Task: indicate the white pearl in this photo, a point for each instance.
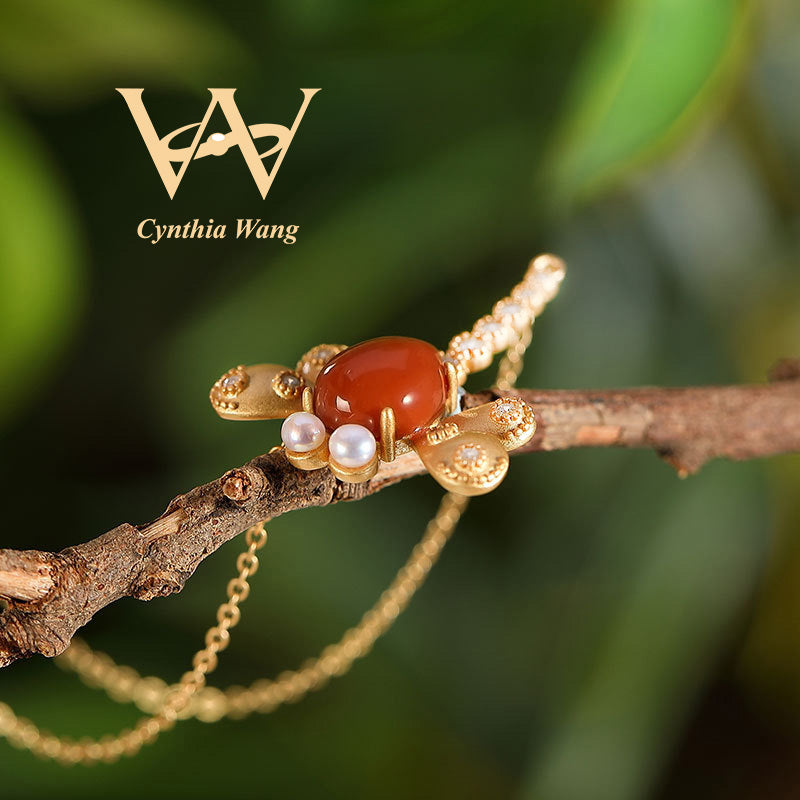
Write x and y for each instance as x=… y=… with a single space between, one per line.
x=352 y=446
x=547 y=272
x=302 y=432
x=475 y=352
x=499 y=335
x=532 y=296
x=512 y=314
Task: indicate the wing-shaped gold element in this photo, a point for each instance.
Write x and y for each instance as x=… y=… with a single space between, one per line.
x=260 y=391
x=466 y=463
x=509 y=418
x=466 y=452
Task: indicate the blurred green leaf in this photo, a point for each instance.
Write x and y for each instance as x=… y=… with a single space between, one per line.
x=651 y=72
x=58 y=55
x=673 y=608
x=40 y=264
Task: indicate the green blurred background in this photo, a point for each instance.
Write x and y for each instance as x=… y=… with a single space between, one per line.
x=598 y=629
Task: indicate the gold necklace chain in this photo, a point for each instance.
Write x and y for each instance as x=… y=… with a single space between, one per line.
x=164 y=704
x=23 y=733
x=210 y=704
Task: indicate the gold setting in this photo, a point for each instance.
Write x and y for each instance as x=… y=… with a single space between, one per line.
x=452 y=388
x=516 y=420
x=507 y=411
x=493 y=331
x=474 y=352
x=288 y=384
x=229 y=385
x=452 y=361
x=388 y=442
x=531 y=297
x=312 y=362
x=313 y=459
x=512 y=314
x=548 y=270
x=355 y=474
x=470 y=457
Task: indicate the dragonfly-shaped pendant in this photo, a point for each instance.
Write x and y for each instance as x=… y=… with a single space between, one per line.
x=349 y=408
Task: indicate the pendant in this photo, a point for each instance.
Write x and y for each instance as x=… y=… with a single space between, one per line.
x=349 y=408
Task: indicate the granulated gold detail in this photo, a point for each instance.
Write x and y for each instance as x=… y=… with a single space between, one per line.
x=230 y=385
x=311 y=364
x=442 y=432
x=470 y=458
x=516 y=418
x=287 y=384
x=487 y=478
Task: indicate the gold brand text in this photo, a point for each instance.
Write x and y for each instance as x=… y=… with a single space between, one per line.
x=151 y=230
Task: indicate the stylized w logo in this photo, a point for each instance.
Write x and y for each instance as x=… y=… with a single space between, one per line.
x=216 y=144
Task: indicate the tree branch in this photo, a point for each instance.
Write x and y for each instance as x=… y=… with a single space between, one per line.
x=51 y=595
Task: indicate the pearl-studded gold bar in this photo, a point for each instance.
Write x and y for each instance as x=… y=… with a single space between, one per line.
x=472 y=351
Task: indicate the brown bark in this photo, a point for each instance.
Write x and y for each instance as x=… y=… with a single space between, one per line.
x=51 y=595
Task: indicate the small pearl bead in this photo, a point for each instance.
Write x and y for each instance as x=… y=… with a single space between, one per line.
x=493 y=331
x=546 y=271
x=352 y=446
x=532 y=296
x=302 y=432
x=512 y=314
x=471 y=350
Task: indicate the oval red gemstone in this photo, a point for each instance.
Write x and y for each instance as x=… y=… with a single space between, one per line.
x=406 y=375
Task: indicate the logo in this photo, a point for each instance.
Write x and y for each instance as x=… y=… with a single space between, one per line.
x=215 y=144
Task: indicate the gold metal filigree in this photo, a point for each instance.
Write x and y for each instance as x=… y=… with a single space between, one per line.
x=515 y=420
x=470 y=457
x=442 y=432
x=231 y=384
x=312 y=362
x=288 y=384
x=470 y=464
x=467 y=452
x=471 y=350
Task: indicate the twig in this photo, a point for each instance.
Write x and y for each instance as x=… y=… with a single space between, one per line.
x=51 y=595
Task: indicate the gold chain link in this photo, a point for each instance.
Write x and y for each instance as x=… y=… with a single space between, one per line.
x=164 y=704
x=211 y=704
x=512 y=362
x=22 y=733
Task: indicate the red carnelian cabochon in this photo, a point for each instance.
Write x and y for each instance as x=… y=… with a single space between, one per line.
x=395 y=372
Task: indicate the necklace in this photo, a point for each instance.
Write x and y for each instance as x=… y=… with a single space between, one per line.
x=347 y=410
